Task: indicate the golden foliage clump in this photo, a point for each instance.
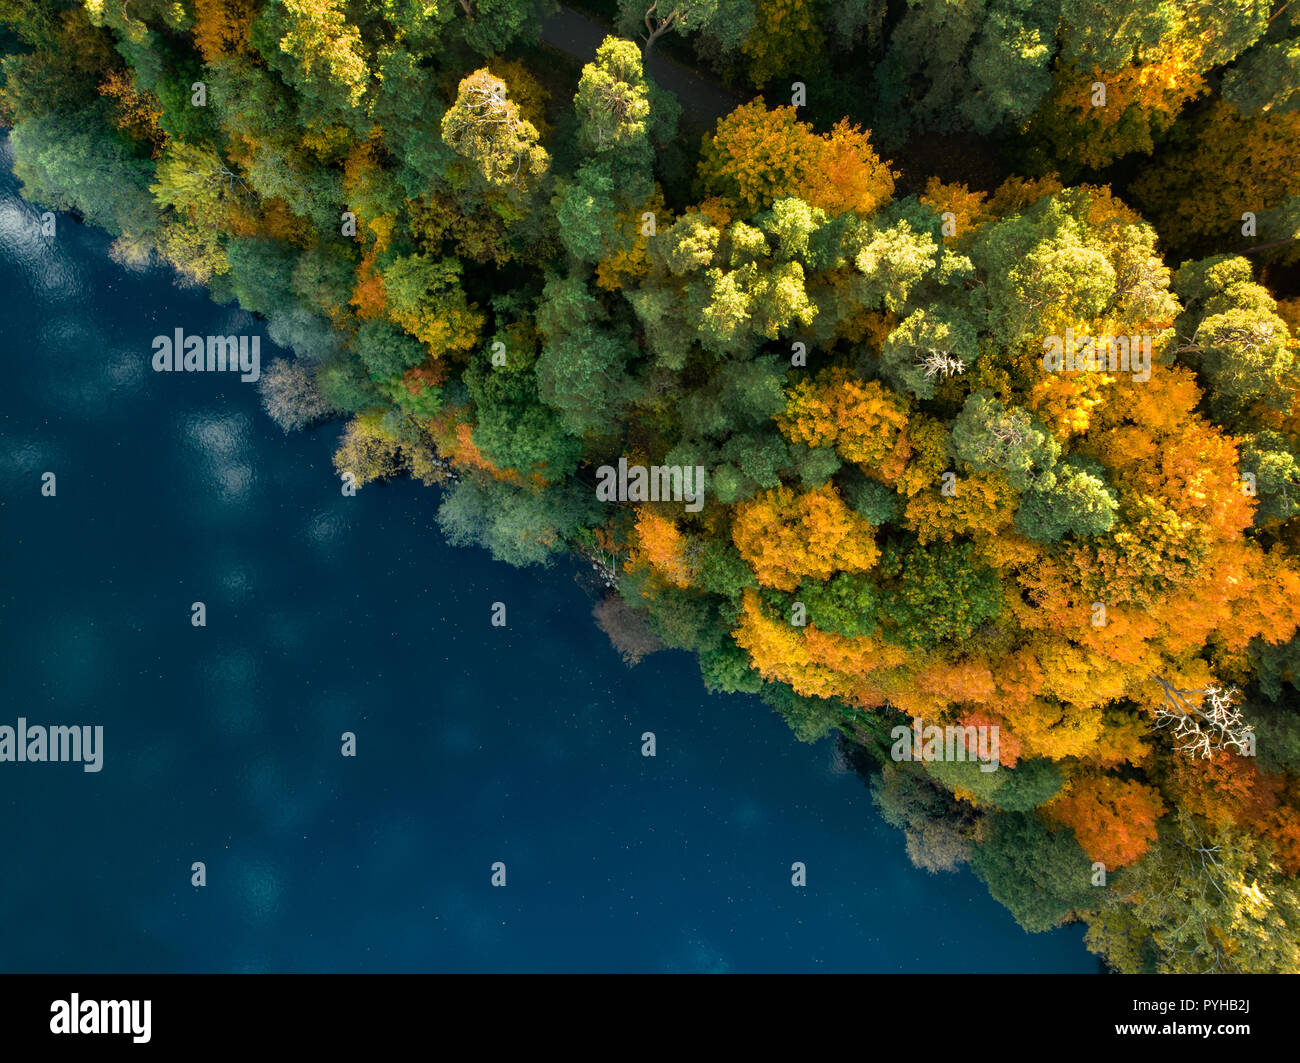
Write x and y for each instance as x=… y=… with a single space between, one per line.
x=757 y=156
x=786 y=536
x=863 y=420
x=969 y=210
x=661 y=542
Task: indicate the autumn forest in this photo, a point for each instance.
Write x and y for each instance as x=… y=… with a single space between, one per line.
x=498 y=268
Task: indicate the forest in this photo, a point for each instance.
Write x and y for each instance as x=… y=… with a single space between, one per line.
x=497 y=269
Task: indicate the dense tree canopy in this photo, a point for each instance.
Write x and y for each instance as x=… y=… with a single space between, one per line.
x=980 y=450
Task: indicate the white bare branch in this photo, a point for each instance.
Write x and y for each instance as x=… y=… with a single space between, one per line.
x=939 y=363
x=1204 y=721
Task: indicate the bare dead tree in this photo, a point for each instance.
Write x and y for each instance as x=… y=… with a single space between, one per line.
x=1204 y=726
x=938 y=363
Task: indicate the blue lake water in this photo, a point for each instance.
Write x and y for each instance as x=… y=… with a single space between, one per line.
x=328 y=614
